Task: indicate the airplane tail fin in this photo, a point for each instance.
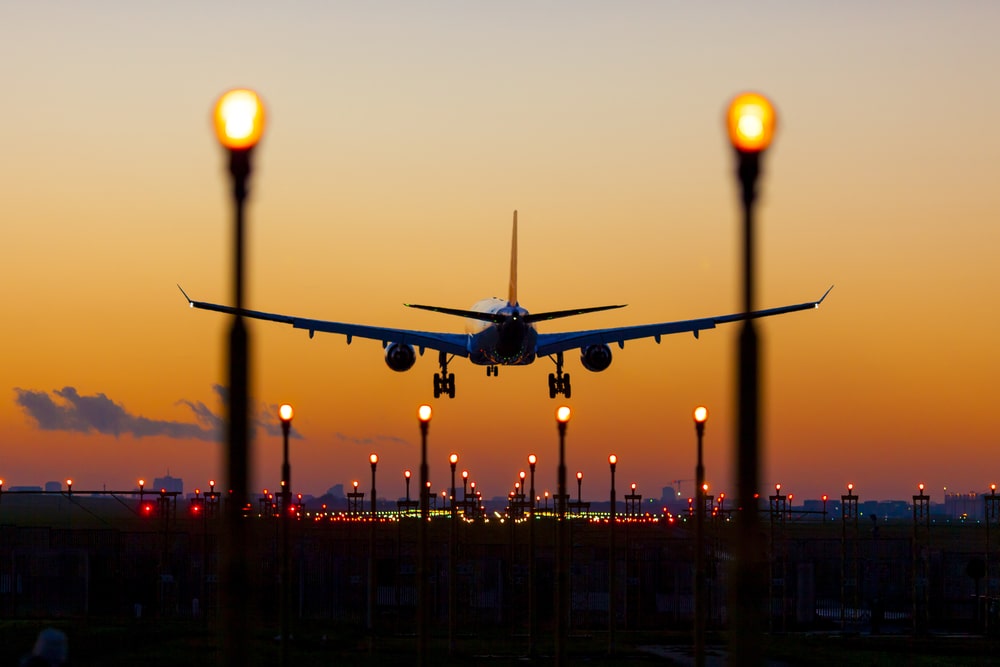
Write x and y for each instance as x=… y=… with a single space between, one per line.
x=512 y=293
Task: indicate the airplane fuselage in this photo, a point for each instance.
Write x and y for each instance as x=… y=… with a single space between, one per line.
x=507 y=343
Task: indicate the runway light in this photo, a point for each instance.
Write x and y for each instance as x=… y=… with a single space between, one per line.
x=563 y=414
x=285 y=412
x=239 y=119
x=750 y=121
x=701 y=414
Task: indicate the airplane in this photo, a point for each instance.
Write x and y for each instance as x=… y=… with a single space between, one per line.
x=499 y=332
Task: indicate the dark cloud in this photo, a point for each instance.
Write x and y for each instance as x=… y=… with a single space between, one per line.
x=66 y=410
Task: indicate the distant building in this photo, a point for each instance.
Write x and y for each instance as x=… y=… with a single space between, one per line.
x=32 y=489
x=964 y=506
x=53 y=487
x=168 y=484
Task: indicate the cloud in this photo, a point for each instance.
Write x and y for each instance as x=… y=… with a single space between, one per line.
x=371 y=440
x=67 y=410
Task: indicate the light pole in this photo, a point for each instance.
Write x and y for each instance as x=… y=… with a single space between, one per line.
x=700 y=417
x=579 y=489
x=239 y=123
x=406 y=476
x=285 y=413
x=750 y=121
x=452 y=562
x=563 y=414
x=424 y=415
x=612 y=569
x=532 y=582
x=373 y=459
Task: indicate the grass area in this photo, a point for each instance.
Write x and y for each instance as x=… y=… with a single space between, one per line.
x=177 y=643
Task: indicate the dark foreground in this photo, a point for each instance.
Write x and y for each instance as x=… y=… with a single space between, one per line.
x=169 y=644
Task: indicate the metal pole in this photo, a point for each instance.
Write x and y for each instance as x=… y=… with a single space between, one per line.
x=452 y=570
x=562 y=578
x=612 y=568
x=371 y=558
x=749 y=582
x=286 y=520
x=532 y=582
x=236 y=580
x=422 y=552
x=699 y=554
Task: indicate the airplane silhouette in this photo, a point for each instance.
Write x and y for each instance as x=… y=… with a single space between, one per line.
x=499 y=332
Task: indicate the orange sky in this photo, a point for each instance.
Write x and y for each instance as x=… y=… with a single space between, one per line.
x=400 y=141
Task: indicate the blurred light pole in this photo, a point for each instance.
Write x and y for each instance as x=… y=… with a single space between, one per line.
x=700 y=417
x=579 y=489
x=239 y=123
x=142 y=484
x=452 y=562
x=285 y=413
x=612 y=565
x=532 y=581
x=69 y=488
x=373 y=459
x=406 y=476
x=424 y=415
x=563 y=414
x=750 y=121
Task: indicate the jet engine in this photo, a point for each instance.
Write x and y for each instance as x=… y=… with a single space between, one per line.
x=595 y=358
x=400 y=357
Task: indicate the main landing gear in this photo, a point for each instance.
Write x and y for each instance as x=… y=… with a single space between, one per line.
x=559 y=381
x=444 y=382
x=492 y=370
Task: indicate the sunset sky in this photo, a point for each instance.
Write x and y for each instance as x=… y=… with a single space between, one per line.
x=402 y=136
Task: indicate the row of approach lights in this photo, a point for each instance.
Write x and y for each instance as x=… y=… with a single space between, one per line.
x=239 y=120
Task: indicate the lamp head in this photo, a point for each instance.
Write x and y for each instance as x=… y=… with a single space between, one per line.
x=850 y=487
x=373 y=459
x=453 y=459
x=142 y=483
x=285 y=412
x=532 y=459
x=239 y=119
x=424 y=413
x=613 y=460
x=700 y=414
x=465 y=474
x=563 y=414
x=750 y=121
x=579 y=475
x=407 y=474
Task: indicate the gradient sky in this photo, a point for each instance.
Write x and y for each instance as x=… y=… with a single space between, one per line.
x=401 y=137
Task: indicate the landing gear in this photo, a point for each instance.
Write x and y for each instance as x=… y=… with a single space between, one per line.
x=444 y=382
x=492 y=370
x=559 y=381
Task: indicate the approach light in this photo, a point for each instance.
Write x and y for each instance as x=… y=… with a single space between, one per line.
x=239 y=119
x=579 y=475
x=532 y=459
x=750 y=120
x=850 y=487
x=373 y=459
x=701 y=414
x=424 y=413
x=407 y=474
x=563 y=414
x=453 y=459
x=921 y=487
x=285 y=412
x=612 y=459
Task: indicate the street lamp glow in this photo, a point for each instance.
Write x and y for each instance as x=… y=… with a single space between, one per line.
x=921 y=487
x=239 y=119
x=406 y=474
x=850 y=487
x=532 y=459
x=142 y=483
x=750 y=120
x=424 y=413
x=453 y=459
x=701 y=414
x=563 y=414
x=612 y=459
x=579 y=475
x=285 y=412
x=373 y=459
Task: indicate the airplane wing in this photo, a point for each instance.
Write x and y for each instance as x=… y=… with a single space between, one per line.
x=560 y=342
x=445 y=342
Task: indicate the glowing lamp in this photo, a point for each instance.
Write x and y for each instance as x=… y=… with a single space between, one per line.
x=921 y=487
x=465 y=474
x=424 y=413
x=701 y=414
x=285 y=412
x=579 y=475
x=850 y=487
x=532 y=459
x=355 y=482
x=750 y=121
x=563 y=414
x=612 y=459
x=239 y=119
x=373 y=459
x=453 y=459
x=407 y=474
x=777 y=487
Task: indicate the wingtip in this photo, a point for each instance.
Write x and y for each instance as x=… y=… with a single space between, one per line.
x=824 y=295
x=185 y=294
